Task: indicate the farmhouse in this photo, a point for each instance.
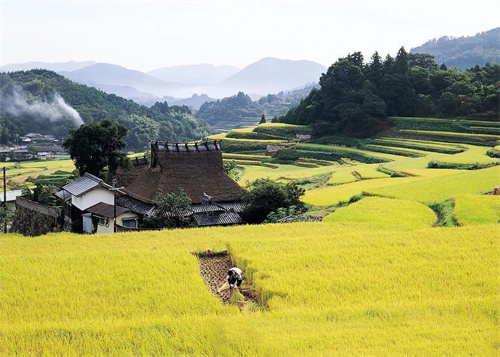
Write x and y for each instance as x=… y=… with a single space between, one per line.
x=197 y=170
x=90 y=202
x=194 y=168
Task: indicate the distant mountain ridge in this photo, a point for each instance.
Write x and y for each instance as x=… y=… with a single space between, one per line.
x=114 y=75
x=268 y=75
x=56 y=67
x=194 y=74
x=271 y=75
x=464 y=52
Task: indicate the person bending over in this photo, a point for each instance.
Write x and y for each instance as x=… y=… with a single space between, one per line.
x=234 y=277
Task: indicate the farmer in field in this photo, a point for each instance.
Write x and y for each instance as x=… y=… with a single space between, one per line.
x=234 y=279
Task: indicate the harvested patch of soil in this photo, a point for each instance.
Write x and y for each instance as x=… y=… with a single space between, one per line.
x=213 y=269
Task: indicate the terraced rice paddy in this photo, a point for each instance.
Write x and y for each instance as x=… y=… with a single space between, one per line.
x=374 y=278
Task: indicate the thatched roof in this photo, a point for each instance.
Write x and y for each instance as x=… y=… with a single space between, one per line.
x=196 y=169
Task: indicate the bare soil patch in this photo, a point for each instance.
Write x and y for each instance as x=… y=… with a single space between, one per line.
x=213 y=270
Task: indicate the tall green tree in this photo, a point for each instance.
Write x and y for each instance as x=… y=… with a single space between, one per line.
x=375 y=70
x=95 y=146
x=396 y=87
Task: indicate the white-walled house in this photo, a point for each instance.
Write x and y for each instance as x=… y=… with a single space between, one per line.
x=92 y=201
x=102 y=216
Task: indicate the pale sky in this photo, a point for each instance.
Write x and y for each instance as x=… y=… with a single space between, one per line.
x=145 y=35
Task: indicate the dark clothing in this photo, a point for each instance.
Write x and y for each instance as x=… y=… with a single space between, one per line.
x=234 y=280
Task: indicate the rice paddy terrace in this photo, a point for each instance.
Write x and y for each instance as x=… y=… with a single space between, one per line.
x=404 y=263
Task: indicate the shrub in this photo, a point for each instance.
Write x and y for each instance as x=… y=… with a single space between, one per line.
x=265 y=196
x=173 y=210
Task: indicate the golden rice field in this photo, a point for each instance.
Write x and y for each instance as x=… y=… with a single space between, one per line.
x=386 y=212
x=477 y=209
x=429 y=190
x=332 y=289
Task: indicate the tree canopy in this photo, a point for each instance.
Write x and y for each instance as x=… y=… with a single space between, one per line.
x=355 y=98
x=95 y=146
x=265 y=196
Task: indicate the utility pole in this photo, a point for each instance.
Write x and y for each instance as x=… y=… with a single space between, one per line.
x=4 y=201
x=114 y=189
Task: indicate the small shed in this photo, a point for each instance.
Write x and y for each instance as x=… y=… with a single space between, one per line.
x=11 y=198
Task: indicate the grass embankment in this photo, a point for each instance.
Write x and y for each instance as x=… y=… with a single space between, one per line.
x=332 y=289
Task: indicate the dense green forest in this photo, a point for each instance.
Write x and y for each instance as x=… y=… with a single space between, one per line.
x=231 y=112
x=464 y=52
x=45 y=102
x=239 y=110
x=356 y=98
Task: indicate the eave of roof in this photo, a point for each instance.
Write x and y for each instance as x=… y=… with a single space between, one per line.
x=106 y=210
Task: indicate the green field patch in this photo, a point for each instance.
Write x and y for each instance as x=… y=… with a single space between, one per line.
x=438 y=189
x=385 y=212
x=304 y=163
x=477 y=209
x=457 y=166
x=330 y=195
x=370 y=171
x=396 y=150
x=248 y=162
x=281 y=172
x=445 y=125
x=457 y=137
x=329 y=152
x=421 y=145
x=227 y=156
x=473 y=154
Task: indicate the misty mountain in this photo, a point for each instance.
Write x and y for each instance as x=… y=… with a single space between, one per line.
x=270 y=75
x=464 y=52
x=56 y=67
x=46 y=102
x=201 y=74
x=104 y=74
x=196 y=101
x=128 y=92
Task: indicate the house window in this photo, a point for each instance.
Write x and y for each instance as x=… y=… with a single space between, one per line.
x=130 y=222
x=103 y=221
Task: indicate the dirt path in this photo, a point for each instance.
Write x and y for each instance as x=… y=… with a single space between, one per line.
x=213 y=269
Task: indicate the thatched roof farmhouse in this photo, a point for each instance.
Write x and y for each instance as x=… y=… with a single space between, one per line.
x=196 y=169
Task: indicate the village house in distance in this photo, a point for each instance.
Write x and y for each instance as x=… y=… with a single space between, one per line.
x=130 y=195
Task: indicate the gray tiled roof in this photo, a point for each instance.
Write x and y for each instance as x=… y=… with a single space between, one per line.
x=216 y=219
x=219 y=206
x=82 y=185
x=63 y=195
x=135 y=205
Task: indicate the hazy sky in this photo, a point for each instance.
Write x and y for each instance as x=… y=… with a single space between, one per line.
x=145 y=35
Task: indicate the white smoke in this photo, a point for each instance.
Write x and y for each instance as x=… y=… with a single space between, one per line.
x=54 y=110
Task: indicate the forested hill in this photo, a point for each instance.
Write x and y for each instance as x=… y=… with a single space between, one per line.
x=356 y=98
x=239 y=110
x=464 y=52
x=45 y=102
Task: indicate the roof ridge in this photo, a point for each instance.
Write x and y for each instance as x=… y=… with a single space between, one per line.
x=92 y=177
